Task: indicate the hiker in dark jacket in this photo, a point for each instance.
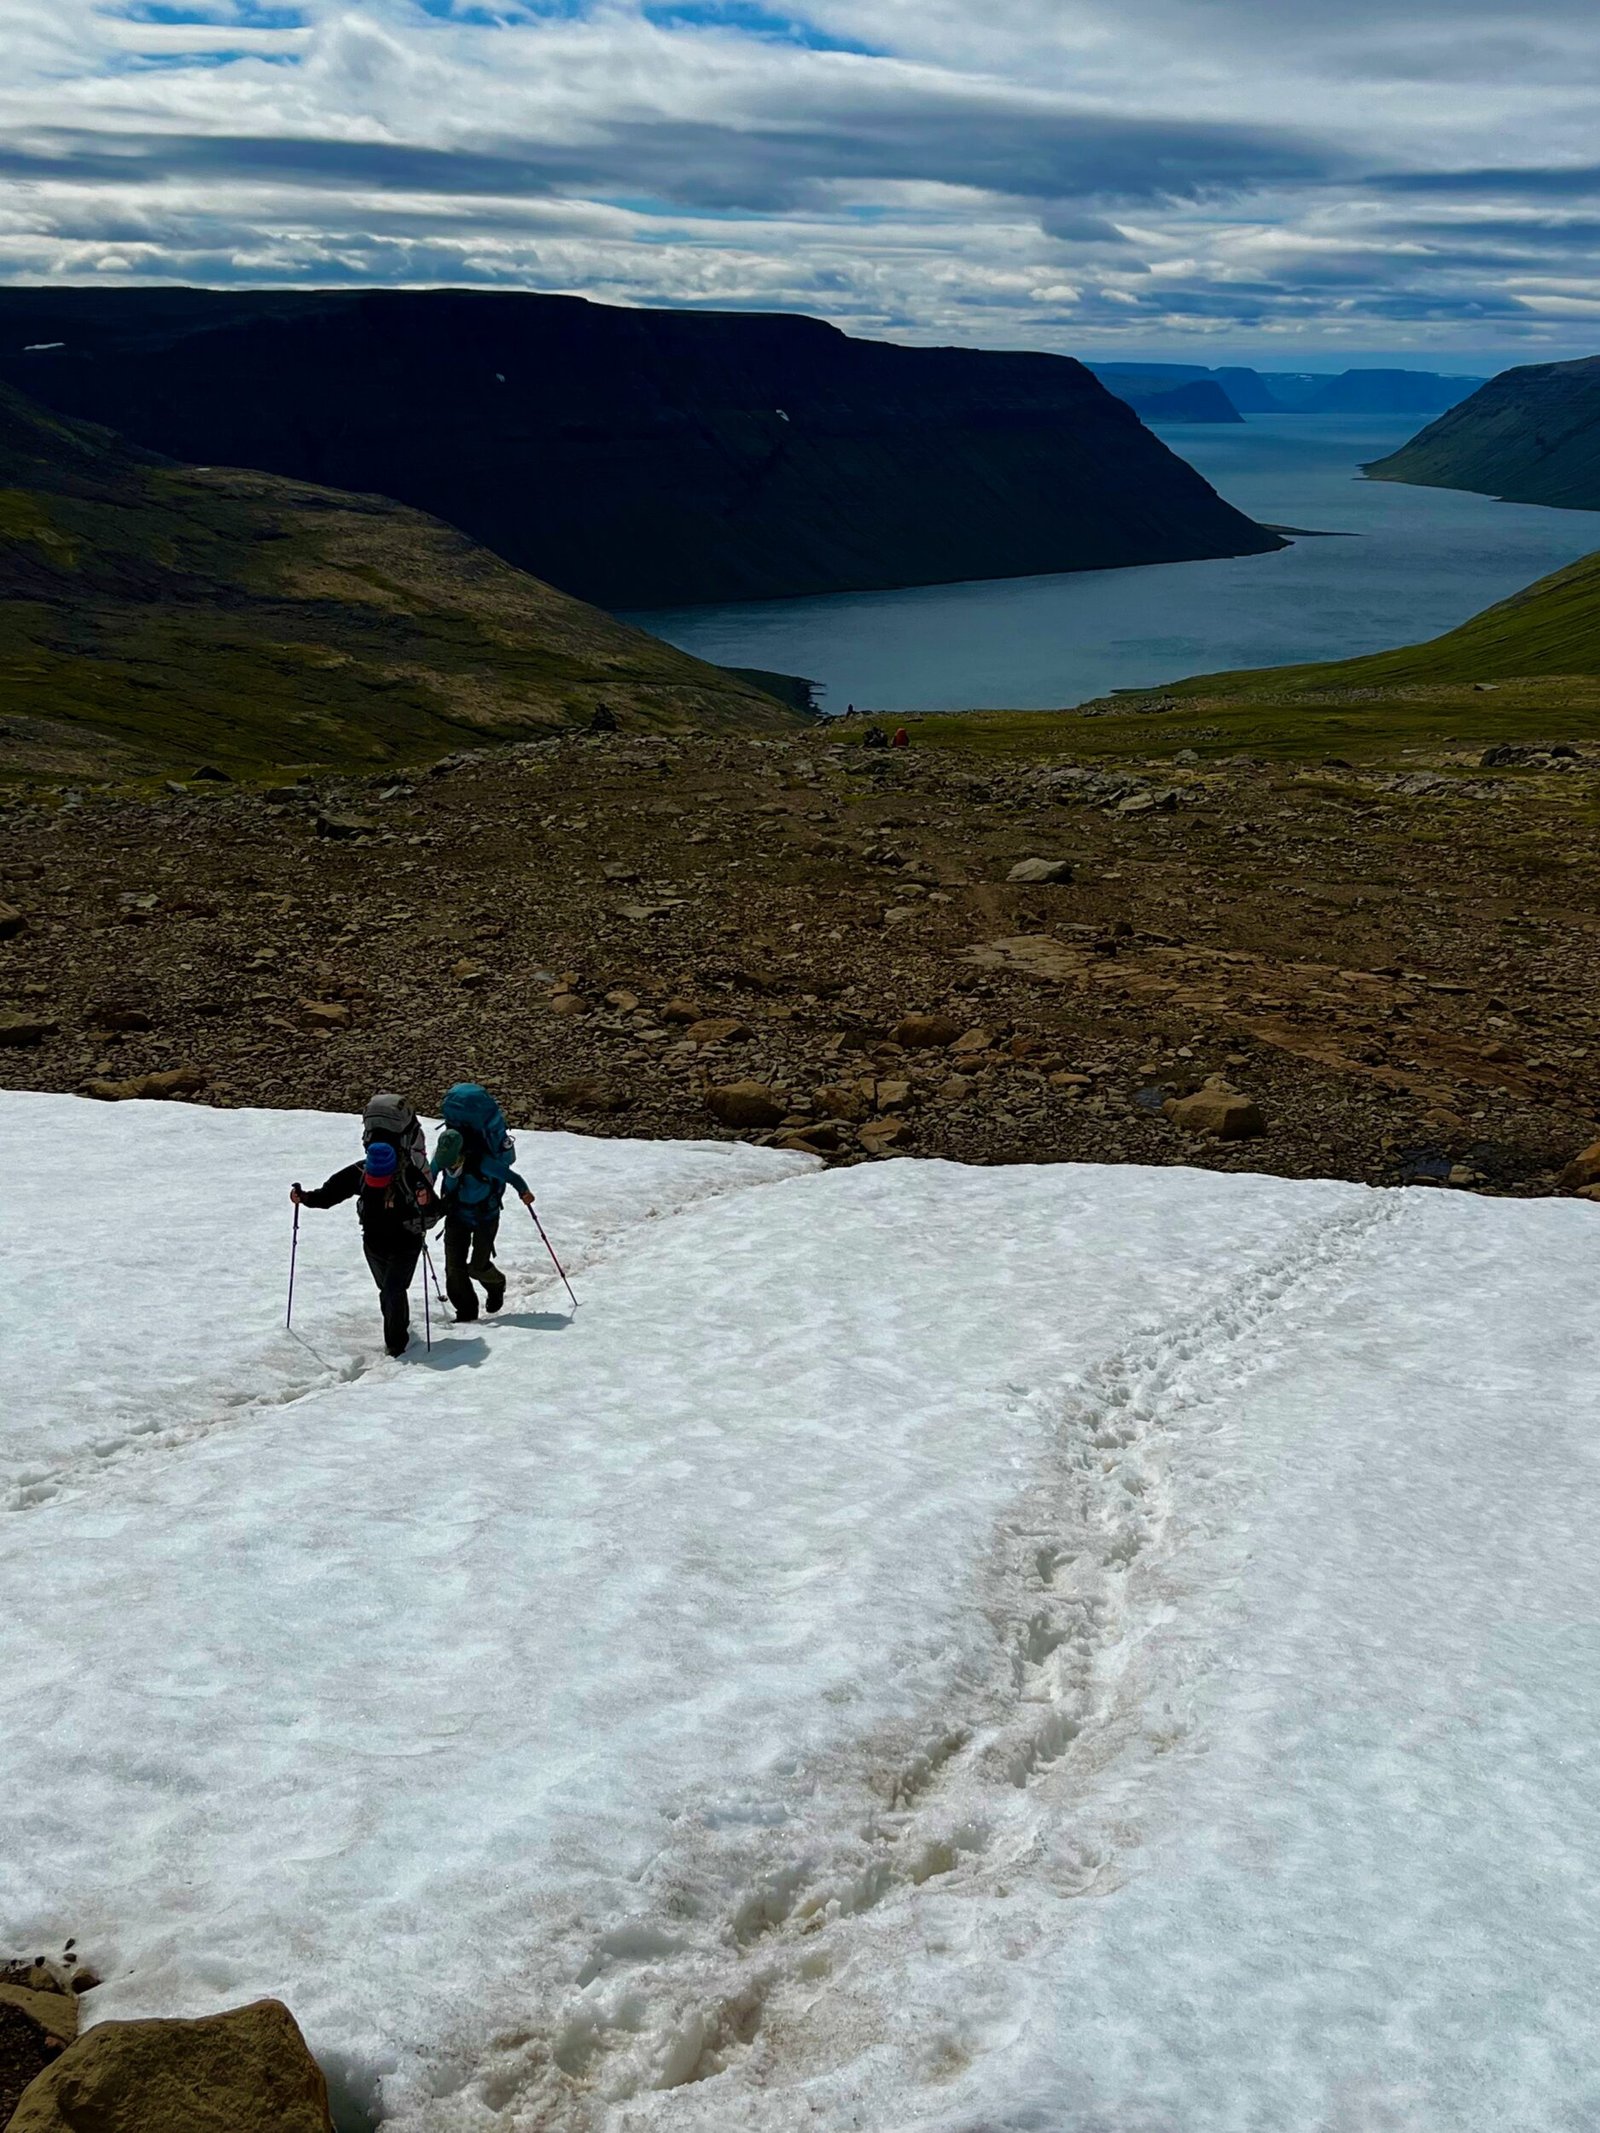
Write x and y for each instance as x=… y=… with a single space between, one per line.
x=472 y=1160
x=397 y=1206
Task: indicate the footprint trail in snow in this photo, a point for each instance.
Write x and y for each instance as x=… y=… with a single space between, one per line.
x=744 y=1703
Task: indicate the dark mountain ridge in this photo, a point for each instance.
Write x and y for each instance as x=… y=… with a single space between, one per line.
x=1197 y=399
x=1531 y=436
x=1274 y=392
x=638 y=458
x=1389 y=392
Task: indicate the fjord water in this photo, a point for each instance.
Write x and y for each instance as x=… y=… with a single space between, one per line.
x=1406 y=564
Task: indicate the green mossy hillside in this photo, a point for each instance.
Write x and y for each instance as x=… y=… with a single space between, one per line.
x=1531 y=435
x=1551 y=628
x=155 y=617
x=1524 y=671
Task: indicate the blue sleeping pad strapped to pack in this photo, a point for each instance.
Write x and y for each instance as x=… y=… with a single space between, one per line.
x=490 y=1152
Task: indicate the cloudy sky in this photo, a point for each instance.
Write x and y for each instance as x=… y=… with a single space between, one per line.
x=1286 y=181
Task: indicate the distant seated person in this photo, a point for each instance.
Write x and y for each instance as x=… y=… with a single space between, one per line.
x=902 y=739
x=874 y=737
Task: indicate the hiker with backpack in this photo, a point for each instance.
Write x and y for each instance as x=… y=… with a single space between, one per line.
x=472 y=1161
x=396 y=1204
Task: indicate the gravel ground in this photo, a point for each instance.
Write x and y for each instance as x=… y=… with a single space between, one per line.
x=1396 y=966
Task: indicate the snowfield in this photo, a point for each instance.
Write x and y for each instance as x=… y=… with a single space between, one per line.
x=1057 y=1650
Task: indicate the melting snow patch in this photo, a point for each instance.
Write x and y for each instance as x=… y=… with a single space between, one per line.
x=918 y=1647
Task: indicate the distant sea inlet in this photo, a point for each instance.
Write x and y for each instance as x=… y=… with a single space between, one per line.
x=1411 y=563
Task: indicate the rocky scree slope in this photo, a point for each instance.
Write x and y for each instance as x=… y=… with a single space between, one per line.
x=622 y=933
x=1531 y=436
x=638 y=458
x=154 y=615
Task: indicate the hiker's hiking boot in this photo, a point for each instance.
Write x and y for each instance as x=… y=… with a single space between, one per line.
x=494 y=1299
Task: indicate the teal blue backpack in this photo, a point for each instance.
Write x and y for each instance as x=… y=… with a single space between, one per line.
x=490 y=1151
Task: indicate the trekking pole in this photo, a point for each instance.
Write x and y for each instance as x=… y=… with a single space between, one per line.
x=550 y=1248
x=427 y=1319
x=432 y=1276
x=294 y=1247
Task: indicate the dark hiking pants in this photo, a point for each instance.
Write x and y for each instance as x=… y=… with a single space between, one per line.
x=469 y=1257
x=393 y=1266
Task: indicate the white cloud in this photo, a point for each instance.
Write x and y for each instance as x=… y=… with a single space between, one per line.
x=1066 y=173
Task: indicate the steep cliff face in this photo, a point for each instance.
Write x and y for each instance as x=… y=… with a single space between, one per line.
x=1530 y=435
x=638 y=458
x=1390 y=392
x=1249 y=391
x=1199 y=399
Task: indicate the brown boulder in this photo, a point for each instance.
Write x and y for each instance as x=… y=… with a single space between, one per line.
x=583 y=1095
x=246 y=2071
x=842 y=1100
x=927 y=1033
x=324 y=1014
x=1039 y=871
x=716 y=1029
x=746 y=1103
x=176 y=1081
x=881 y=1133
x=1584 y=1169
x=34 y=2029
x=54 y=2014
x=20 y=1031
x=110 y=1014
x=1218 y=1110
x=819 y=1139
x=38 y=1974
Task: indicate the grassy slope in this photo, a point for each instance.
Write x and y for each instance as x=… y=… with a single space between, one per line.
x=1531 y=435
x=1539 y=651
x=154 y=617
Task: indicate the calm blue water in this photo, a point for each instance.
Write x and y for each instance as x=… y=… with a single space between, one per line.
x=1422 y=560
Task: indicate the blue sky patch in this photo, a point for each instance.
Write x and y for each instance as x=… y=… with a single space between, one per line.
x=753 y=21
